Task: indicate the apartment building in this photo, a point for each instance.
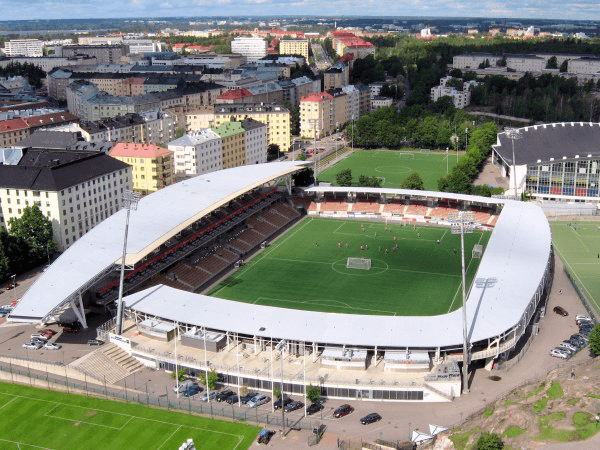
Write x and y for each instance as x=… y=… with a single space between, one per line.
x=23 y=47
x=336 y=76
x=585 y=65
x=152 y=166
x=460 y=97
x=14 y=130
x=381 y=102
x=104 y=54
x=255 y=135
x=74 y=190
x=232 y=143
x=294 y=47
x=252 y=48
x=200 y=118
x=197 y=152
x=317 y=115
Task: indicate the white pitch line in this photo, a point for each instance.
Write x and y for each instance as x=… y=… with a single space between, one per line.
x=172 y=434
x=10 y=401
x=29 y=445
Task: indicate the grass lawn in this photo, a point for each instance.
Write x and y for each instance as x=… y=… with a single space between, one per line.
x=306 y=269
x=33 y=418
x=393 y=166
x=580 y=249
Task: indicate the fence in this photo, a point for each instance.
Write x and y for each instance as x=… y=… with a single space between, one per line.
x=56 y=382
x=580 y=289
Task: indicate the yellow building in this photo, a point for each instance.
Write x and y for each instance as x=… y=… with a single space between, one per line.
x=200 y=119
x=294 y=47
x=275 y=117
x=317 y=115
x=152 y=166
x=233 y=138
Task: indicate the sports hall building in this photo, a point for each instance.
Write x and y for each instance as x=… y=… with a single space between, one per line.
x=187 y=236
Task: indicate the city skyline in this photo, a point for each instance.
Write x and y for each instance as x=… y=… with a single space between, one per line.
x=524 y=9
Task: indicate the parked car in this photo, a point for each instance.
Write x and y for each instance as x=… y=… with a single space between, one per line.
x=52 y=346
x=249 y=396
x=264 y=436
x=293 y=406
x=581 y=337
x=342 y=411
x=47 y=332
x=568 y=346
x=9 y=307
x=370 y=418
x=32 y=345
x=286 y=402
x=224 y=395
x=314 y=408
x=182 y=386
x=208 y=395
x=258 y=400
x=233 y=400
x=5 y=311
x=39 y=336
x=559 y=353
x=560 y=311
x=579 y=343
x=192 y=390
x=92 y=342
x=583 y=317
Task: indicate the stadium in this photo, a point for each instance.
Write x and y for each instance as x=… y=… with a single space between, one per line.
x=240 y=272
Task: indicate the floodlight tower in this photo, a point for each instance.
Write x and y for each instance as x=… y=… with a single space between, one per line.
x=513 y=134
x=462 y=223
x=130 y=201
x=281 y=349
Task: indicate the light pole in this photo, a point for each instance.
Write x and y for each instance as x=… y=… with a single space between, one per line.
x=466 y=139
x=513 y=134
x=352 y=136
x=446 y=160
x=14 y=280
x=281 y=349
x=130 y=201
x=461 y=223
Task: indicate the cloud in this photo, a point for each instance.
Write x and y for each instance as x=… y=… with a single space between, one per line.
x=166 y=5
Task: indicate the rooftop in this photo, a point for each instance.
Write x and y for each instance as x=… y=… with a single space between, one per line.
x=128 y=149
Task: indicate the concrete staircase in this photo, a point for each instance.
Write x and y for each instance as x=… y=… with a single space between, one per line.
x=109 y=363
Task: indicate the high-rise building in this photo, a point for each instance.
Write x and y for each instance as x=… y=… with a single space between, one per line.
x=294 y=47
x=251 y=47
x=317 y=115
x=197 y=152
x=23 y=47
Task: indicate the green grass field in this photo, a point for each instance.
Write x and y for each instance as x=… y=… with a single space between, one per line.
x=33 y=418
x=393 y=166
x=580 y=249
x=305 y=269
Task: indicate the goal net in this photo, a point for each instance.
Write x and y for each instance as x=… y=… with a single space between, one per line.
x=404 y=155
x=358 y=263
x=477 y=251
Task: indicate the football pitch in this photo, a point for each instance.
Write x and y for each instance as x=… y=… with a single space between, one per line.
x=579 y=248
x=33 y=418
x=393 y=167
x=306 y=269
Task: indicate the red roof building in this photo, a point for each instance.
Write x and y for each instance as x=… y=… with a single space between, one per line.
x=234 y=96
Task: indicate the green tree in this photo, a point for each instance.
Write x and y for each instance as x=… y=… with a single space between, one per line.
x=301 y=157
x=179 y=131
x=595 y=340
x=5 y=271
x=180 y=375
x=213 y=377
x=272 y=152
x=552 y=63
x=344 y=178
x=456 y=73
x=277 y=392
x=294 y=117
x=489 y=441
x=303 y=178
x=455 y=83
x=413 y=181
x=313 y=393
x=366 y=181
x=36 y=231
x=564 y=67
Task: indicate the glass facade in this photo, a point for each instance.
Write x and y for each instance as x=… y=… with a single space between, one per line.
x=575 y=177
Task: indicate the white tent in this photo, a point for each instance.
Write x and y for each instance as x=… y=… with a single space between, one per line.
x=420 y=438
x=435 y=429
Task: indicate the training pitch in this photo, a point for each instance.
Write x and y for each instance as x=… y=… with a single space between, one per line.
x=33 y=418
x=306 y=269
x=393 y=167
x=579 y=248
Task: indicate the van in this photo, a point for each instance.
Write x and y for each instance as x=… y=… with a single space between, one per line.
x=183 y=386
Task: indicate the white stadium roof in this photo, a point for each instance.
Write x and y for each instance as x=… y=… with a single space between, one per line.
x=159 y=216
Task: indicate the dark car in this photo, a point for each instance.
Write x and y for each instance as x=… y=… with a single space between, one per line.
x=370 y=418
x=232 y=399
x=224 y=395
x=95 y=342
x=249 y=396
x=277 y=403
x=342 y=411
x=314 y=408
x=560 y=310
x=264 y=436
x=293 y=406
x=192 y=390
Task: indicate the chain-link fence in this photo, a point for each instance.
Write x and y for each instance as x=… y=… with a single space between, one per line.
x=580 y=289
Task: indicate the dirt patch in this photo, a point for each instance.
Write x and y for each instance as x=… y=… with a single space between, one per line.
x=90 y=413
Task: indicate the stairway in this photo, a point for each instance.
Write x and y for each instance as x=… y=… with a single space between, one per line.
x=109 y=363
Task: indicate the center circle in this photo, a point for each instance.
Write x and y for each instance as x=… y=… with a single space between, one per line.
x=377 y=266
x=393 y=169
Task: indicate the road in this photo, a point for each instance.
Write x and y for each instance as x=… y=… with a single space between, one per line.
x=321 y=58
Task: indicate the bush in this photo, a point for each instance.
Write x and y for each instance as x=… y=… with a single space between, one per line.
x=489 y=441
x=595 y=340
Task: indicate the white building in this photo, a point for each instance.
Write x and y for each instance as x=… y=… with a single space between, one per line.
x=460 y=98
x=197 y=152
x=143 y=46
x=256 y=141
x=381 y=102
x=353 y=101
x=23 y=47
x=251 y=47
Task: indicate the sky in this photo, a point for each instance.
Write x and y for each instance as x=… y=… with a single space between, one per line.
x=71 y=9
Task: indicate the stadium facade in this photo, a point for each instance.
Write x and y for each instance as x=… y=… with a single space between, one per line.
x=185 y=236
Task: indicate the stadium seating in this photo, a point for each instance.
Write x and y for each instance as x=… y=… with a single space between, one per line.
x=416 y=209
x=394 y=207
x=366 y=206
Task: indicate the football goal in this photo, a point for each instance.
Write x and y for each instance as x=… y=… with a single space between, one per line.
x=406 y=155
x=358 y=263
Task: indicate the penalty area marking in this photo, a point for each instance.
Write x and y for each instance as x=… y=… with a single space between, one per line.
x=24 y=443
x=390 y=170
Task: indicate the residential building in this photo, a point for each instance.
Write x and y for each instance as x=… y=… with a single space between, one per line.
x=336 y=76
x=353 y=100
x=251 y=47
x=255 y=141
x=200 y=118
x=197 y=152
x=74 y=190
x=232 y=143
x=15 y=130
x=152 y=166
x=104 y=54
x=49 y=63
x=345 y=42
x=23 y=47
x=294 y=47
x=303 y=86
x=461 y=97
x=342 y=108
x=381 y=102
x=136 y=46
x=585 y=65
x=317 y=115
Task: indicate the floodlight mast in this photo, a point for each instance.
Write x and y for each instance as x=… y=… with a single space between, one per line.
x=462 y=222
x=281 y=349
x=513 y=134
x=130 y=201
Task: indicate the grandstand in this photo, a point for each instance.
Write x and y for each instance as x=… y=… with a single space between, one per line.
x=187 y=236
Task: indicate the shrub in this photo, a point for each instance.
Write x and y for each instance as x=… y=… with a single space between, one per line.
x=489 y=441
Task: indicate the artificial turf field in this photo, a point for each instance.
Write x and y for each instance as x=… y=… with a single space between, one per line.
x=393 y=167
x=33 y=418
x=579 y=248
x=305 y=269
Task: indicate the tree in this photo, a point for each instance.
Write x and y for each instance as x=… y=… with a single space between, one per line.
x=595 y=340
x=455 y=83
x=213 y=377
x=552 y=63
x=303 y=178
x=294 y=117
x=313 y=393
x=366 y=181
x=456 y=73
x=179 y=132
x=36 y=231
x=344 y=178
x=272 y=152
x=489 y=441
x=277 y=392
x=564 y=67
x=179 y=375
x=413 y=181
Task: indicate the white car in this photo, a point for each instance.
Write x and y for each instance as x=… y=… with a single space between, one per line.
x=182 y=386
x=39 y=336
x=52 y=346
x=567 y=345
x=559 y=353
x=204 y=397
x=11 y=307
x=32 y=345
x=577 y=317
x=257 y=401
